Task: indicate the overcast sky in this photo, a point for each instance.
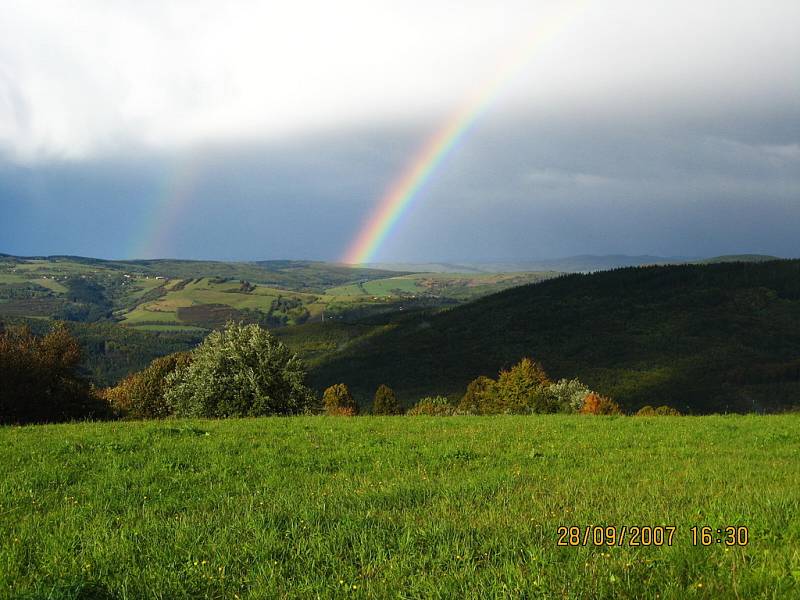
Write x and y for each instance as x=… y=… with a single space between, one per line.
x=638 y=127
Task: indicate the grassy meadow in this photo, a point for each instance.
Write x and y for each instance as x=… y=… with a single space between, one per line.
x=460 y=286
x=404 y=507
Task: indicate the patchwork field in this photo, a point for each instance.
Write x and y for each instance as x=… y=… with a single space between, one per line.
x=179 y=295
x=408 y=507
x=172 y=295
x=448 y=285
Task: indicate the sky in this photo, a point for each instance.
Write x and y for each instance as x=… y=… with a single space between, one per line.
x=273 y=130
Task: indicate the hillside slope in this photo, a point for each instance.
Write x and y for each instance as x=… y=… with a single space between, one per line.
x=720 y=337
x=113 y=306
x=181 y=295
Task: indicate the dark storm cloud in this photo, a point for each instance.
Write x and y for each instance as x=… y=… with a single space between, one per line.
x=531 y=186
x=299 y=199
x=656 y=127
x=538 y=187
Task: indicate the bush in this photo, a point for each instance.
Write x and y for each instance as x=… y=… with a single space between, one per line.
x=595 y=404
x=434 y=406
x=142 y=395
x=242 y=371
x=385 y=402
x=338 y=401
x=569 y=394
x=40 y=379
x=479 y=398
x=523 y=389
x=661 y=411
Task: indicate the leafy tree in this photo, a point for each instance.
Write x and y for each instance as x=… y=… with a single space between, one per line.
x=338 y=401
x=523 y=389
x=141 y=395
x=595 y=404
x=479 y=398
x=40 y=378
x=569 y=394
x=238 y=372
x=385 y=402
x=434 y=406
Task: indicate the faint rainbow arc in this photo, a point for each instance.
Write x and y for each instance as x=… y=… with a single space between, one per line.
x=176 y=191
x=402 y=193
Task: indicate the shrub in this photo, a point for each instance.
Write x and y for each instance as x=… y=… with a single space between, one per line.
x=595 y=404
x=385 y=402
x=569 y=394
x=338 y=401
x=142 y=395
x=523 y=389
x=479 y=398
x=435 y=406
x=40 y=379
x=241 y=371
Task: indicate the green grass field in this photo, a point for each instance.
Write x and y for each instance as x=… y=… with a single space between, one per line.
x=460 y=286
x=399 y=507
x=164 y=310
x=156 y=314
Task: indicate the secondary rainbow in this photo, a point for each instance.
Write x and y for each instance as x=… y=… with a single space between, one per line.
x=153 y=240
x=402 y=193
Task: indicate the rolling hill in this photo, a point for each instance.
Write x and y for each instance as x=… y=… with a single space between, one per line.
x=703 y=338
x=128 y=312
x=186 y=296
x=717 y=336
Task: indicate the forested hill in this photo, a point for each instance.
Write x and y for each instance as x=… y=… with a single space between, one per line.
x=702 y=338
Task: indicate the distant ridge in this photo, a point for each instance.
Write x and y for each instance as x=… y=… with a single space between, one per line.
x=305 y=275
x=582 y=263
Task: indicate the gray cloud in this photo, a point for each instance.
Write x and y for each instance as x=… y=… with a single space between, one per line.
x=521 y=188
x=666 y=128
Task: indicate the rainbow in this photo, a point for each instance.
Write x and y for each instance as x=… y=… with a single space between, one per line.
x=402 y=193
x=152 y=241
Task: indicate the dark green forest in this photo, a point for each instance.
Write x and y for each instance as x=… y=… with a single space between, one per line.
x=701 y=338
x=110 y=351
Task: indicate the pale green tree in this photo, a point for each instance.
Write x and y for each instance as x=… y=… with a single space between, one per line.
x=241 y=371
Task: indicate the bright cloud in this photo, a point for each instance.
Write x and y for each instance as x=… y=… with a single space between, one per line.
x=81 y=78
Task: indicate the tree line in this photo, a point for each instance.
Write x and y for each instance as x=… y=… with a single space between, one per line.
x=244 y=371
